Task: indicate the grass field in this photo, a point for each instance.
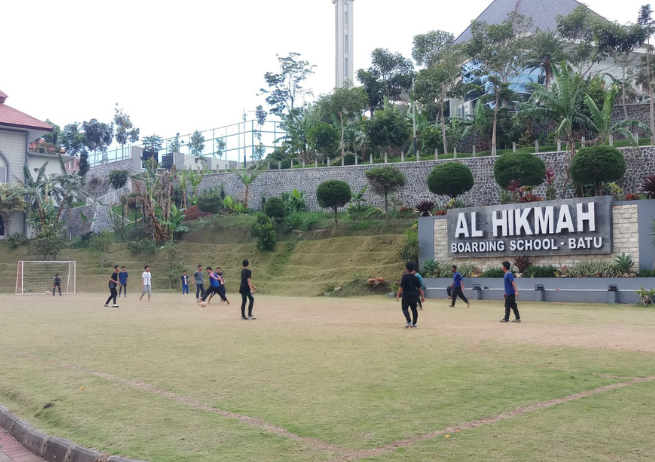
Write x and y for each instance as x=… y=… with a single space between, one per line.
x=322 y=379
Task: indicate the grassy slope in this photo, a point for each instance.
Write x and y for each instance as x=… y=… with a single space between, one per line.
x=302 y=264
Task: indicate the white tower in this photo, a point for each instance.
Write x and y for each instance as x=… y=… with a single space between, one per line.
x=344 y=66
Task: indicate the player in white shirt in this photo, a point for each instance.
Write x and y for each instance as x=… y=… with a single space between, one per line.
x=146 y=276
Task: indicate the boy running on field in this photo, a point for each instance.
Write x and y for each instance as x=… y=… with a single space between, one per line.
x=511 y=292
x=113 y=282
x=185 y=283
x=56 y=284
x=410 y=290
x=146 y=276
x=122 y=278
x=458 y=288
x=214 y=284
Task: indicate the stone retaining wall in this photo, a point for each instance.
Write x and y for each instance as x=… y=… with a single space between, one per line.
x=97 y=179
x=640 y=163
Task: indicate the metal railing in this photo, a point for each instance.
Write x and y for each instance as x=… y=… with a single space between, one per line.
x=244 y=140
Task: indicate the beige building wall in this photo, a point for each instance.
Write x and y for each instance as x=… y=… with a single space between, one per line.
x=625 y=240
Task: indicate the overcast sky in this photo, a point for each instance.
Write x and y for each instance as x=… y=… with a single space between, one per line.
x=181 y=66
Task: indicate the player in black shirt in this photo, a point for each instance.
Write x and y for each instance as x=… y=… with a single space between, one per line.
x=113 y=283
x=246 y=290
x=410 y=289
x=56 y=284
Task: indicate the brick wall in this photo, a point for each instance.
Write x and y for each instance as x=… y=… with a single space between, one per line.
x=625 y=240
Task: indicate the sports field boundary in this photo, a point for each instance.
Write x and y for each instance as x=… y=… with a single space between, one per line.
x=24 y=430
x=51 y=448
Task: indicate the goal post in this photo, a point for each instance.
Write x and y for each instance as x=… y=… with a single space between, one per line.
x=37 y=277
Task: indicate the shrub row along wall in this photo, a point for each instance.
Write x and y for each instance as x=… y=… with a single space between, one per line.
x=640 y=163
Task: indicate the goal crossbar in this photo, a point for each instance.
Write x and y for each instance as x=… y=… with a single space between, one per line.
x=37 y=277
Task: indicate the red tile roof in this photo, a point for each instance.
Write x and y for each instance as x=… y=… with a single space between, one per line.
x=14 y=118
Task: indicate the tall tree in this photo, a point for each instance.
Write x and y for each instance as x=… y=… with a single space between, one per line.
x=97 y=136
x=579 y=30
x=619 y=41
x=125 y=131
x=388 y=129
x=344 y=103
x=544 y=49
x=389 y=76
x=196 y=145
x=646 y=20
x=286 y=87
x=72 y=140
x=429 y=48
x=499 y=51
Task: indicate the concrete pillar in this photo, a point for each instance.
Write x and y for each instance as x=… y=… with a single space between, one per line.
x=268 y=165
x=402 y=156
x=474 y=150
x=279 y=165
x=356 y=159
x=343 y=161
x=418 y=156
x=436 y=154
x=536 y=146
x=291 y=167
x=385 y=157
x=328 y=161
x=371 y=158
x=611 y=140
x=513 y=146
x=559 y=146
x=582 y=141
x=315 y=162
x=455 y=152
x=303 y=163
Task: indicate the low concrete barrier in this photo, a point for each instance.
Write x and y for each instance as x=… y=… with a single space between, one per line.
x=52 y=449
x=574 y=290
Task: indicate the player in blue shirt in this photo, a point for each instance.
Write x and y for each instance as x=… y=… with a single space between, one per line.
x=511 y=292
x=185 y=283
x=122 y=278
x=458 y=288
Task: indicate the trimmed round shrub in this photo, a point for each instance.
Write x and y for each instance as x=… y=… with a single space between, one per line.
x=275 y=208
x=332 y=194
x=527 y=169
x=597 y=165
x=450 y=179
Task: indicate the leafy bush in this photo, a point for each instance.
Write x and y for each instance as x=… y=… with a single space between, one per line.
x=142 y=247
x=410 y=250
x=646 y=273
x=522 y=263
x=210 y=201
x=594 y=270
x=264 y=232
x=541 y=272
x=493 y=273
x=349 y=159
x=118 y=178
x=526 y=169
x=49 y=242
x=294 y=201
x=597 y=165
x=275 y=209
x=332 y=194
x=466 y=270
x=102 y=243
x=16 y=240
x=425 y=208
x=429 y=268
x=624 y=263
x=385 y=180
x=450 y=179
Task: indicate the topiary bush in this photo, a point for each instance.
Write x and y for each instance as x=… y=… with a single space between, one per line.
x=210 y=201
x=450 y=179
x=275 y=208
x=526 y=169
x=332 y=194
x=597 y=164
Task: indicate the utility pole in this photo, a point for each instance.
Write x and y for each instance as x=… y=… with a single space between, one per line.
x=414 y=113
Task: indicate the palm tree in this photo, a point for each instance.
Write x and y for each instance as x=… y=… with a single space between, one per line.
x=545 y=49
x=247 y=179
x=601 y=120
x=561 y=104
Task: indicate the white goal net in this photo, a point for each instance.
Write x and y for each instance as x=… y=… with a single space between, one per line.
x=38 y=277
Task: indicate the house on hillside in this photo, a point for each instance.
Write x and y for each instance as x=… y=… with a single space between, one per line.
x=17 y=131
x=543 y=15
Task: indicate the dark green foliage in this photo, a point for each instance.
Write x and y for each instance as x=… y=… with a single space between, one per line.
x=275 y=209
x=388 y=129
x=624 y=263
x=16 y=240
x=84 y=164
x=118 y=178
x=597 y=165
x=142 y=247
x=349 y=159
x=384 y=180
x=526 y=169
x=264 y=232
x=210 y=201
x=49 y=242
x=493 y=273
x=332 y=194
x=450 y=179
x=429 y=268
x=540 y=272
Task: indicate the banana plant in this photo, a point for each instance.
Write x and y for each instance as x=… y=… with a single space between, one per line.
x=174 y=222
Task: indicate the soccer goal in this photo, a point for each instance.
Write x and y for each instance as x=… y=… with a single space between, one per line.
x=37 y=277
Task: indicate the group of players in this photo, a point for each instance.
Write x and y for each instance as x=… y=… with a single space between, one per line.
x=119 y=279
x=411 y=292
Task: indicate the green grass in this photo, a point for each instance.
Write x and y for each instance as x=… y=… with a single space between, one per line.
x=341 y=371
